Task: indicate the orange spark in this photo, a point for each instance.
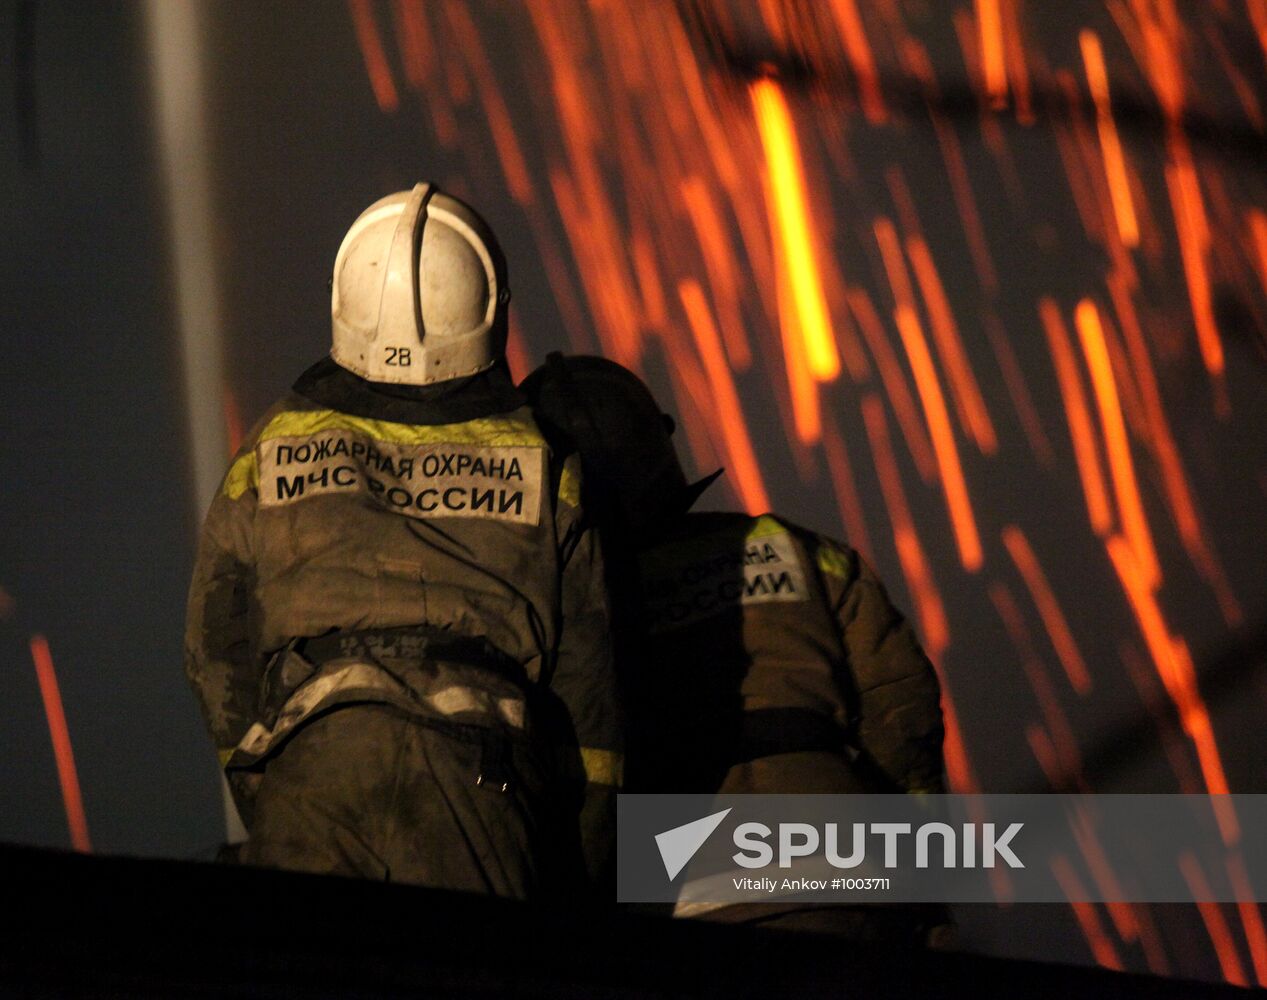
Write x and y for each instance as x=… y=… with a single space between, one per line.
x=854 y=37
x=1251 y=915
x=1178 y=676
x=787 y=186
x=1102 y=874
x=518 y=356
x=62 y=752
x=371 y=43
x=1194 y=236
x=1017 y=71
x=1174 y=481
x=719 y=259
x=1079 y=415
x=1061 y=746
x=943 y=438
x=729 y=411
x=1088 y=917
x=1048 y=608
x=232 y=419
x=806 y=411
x=846 y=491
x=963 y=385
x=1258 y=233
x=1117 y=445
x=993 y=65
x=928 y=604
x=1018 y=391
x=1215 y=923
x=415 y=46
x=965 y=201
x=1110 y=143
x=895 y=386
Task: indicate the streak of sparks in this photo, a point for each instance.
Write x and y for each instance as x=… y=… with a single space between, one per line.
x=1215 y=923
x=1250 y=914
x=1088 y=917
x=1078 y=414
x=1048 y=609
x=376 y=66
x=1110 y=144
x=993 y=62
x=730 y=414
x=59 y=732
x=1117 y=445
x=963 y=385
x=787 y=185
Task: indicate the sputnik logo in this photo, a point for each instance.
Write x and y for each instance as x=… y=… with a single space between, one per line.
x=679 y=845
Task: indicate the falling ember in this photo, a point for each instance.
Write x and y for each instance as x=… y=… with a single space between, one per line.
x=1215 y=923
x=1175 y=668
x=993 y=63
x=1110 y=143
x=787 y=186
x=919 y=578
x=1194 y=236
x=76 y=820
x=376 y=67
x=963 y=385
x=1048 y=609
x=1251 y=915
x=854 y=38
x=1118 y=447
x=729 y=413
x=1078 y=413
x=1088 y=917
x=943 y=436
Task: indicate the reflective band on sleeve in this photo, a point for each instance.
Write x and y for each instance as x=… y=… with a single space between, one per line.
x=224 y=753
x=603 y=767
x=833 y=561
x=570 y=481
x=243 y=475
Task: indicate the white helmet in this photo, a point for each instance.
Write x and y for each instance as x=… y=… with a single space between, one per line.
x=419 y=291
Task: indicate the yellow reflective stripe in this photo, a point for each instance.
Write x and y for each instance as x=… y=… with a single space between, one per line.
x=243 y=475
x=224 y=753
x=764 y=526
x=570 y=481
x=833 y=561
x=603 y=767
x=505 y=430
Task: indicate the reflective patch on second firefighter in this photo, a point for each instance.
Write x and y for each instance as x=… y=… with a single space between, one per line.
x=681 y=586
x=428 y=480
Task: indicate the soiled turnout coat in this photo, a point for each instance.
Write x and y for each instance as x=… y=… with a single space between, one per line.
x=398 y=632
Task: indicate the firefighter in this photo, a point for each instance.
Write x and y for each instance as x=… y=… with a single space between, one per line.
x=397 y=627
x=757 y=656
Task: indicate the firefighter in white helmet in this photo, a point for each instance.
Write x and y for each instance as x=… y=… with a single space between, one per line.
x=397 y=625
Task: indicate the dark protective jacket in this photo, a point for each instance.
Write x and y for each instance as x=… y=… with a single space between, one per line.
x=762 y=657
x=354 y=508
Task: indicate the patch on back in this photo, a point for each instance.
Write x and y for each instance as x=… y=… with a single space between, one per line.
x=428 y=480
x=686 y=584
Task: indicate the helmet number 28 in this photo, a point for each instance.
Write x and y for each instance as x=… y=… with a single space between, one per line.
x=398 y=356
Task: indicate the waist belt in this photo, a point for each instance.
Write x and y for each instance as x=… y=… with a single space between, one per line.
x=769 y=731
x=414 y=642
